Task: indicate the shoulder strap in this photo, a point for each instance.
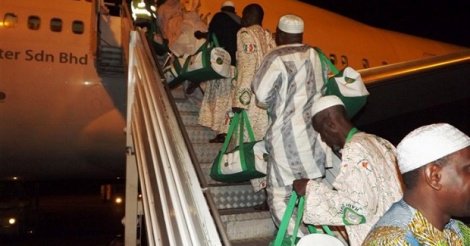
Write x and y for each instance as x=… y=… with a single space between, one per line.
x=244 y=122
x=233 y=124
x=214 y=40
x=326 y=60
x=281 y=233
x=247 y=123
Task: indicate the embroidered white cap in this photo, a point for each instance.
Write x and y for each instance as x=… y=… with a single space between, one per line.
x=429 y=143
x=291 y=24
x=228 y=4
x=325 y=102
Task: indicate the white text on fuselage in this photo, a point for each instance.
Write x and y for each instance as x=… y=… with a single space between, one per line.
x=43 y=56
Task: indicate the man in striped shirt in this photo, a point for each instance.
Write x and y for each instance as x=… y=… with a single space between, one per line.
x=287 y=84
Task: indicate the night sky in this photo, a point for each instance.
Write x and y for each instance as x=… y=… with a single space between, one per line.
x=443 y=20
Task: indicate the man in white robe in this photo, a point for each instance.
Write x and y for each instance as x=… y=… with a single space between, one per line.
x=367 y=183
x=287 y=83
x=253 y=42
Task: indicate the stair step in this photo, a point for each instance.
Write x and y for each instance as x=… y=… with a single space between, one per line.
x=190 y=119
x=186 y=106
x=178 y=93
x=244 y=225
x=111 y=49
x=236 y=196
x=118 y=54
x=253 y=241
x=200 y=135
x=110 y=62
x=206 y=152
x=248 y=224
x=111 y=70
x=111 y=67
x=206 y=170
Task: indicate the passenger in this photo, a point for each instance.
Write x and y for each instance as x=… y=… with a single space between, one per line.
x=253 y=42
x=367 y=183
x=287 y=83
x=141 y=15
x=435 y=163
x=170 y=17
x=225 y=25
x=217 y=100
x=186 y=44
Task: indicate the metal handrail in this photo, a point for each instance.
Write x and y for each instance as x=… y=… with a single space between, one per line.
x=200 y=174
x=169 y=179
x=373 y=76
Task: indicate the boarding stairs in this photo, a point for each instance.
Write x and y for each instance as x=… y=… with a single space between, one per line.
x=172 y=156
x=110 y=60
x=168 y=162
x=243 y=224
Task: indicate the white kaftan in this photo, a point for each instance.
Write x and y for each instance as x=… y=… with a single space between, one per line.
x=287 y=83
x=366 y=186
x=216 y=104
x=253 y=43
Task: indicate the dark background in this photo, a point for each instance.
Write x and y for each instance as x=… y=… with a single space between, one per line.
x=444 y=20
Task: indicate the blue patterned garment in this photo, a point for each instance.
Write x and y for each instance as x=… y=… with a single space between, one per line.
x=404 y=225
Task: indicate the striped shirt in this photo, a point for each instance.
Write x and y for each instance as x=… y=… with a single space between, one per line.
x=287 y=83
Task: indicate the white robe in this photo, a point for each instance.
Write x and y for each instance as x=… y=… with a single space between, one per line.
x=366 y=186
x=287 y=83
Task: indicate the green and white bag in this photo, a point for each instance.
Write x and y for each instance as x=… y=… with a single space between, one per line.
x=346 y=84
x=315 y=238
x=244 y=162
x=209 y=62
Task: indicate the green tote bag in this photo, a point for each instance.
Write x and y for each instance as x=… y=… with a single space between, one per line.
x=244 y=162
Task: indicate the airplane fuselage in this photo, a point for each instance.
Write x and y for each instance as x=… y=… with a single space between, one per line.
x=57 y=117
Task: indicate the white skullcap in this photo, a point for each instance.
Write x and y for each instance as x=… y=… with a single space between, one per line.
x=429 y=143
x=324 y=103
x=291 y=24
x=228 y=4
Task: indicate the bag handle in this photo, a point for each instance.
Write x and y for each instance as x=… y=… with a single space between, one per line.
x=312 y=229
x=233 y=124
x=214 y=40
x=238 y=120
x=244 y=122
x=287 y=216
x=326 y=60
x=204 y=48
x=247 y=123
x=285 y=221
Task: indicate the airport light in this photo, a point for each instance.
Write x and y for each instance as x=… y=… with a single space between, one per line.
x=118 y=200
x=11 y=221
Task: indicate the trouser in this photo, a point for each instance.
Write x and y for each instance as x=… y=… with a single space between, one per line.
x=278 y=198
